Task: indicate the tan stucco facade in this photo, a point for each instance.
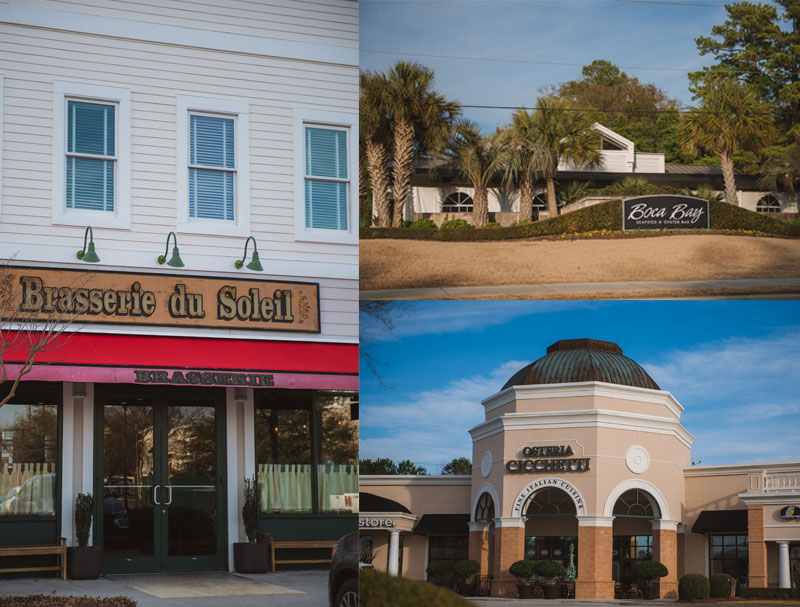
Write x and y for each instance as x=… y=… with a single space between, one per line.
x=622 y=457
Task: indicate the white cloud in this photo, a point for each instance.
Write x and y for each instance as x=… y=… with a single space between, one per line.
x=430 y=427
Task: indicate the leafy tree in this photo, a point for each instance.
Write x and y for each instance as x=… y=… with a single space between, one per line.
x=782 y=167
x=381 y=465
x=563 y=133
x=420 y=119
x=460 y=465
x=752 y=46
x=375 y=135
x=478 y=158
x=407 y=467
x=730 y=118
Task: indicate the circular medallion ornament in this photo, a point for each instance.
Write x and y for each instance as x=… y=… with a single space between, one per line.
x=637 y=459
x=486 y=464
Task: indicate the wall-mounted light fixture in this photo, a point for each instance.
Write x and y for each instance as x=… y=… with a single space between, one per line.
x=174 y=261
x=88 y=254
x=255 y=264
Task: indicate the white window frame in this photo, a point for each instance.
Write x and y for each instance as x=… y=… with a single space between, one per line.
x=223 y=108
x=308 y=117
x=120 y=217
x=1 y=145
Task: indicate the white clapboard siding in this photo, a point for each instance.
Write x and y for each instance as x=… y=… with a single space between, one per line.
x=649 y=162
x=32 y=58
x=328 y=22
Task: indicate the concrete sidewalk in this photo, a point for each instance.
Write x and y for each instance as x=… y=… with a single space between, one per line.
x=208 y=589
x=575 y=287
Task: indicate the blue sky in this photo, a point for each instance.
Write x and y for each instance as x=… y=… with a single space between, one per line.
x=733 y=365
x=654 y=34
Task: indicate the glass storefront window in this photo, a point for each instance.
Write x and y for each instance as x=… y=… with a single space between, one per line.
x=28 y=458
x=551 y=548
x=338 y=456
x=447 y=549
x=728 y=554
x=628 y=552
x=283 y=452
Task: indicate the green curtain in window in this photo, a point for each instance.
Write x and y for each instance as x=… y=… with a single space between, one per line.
x=336 y=480
x=28 y=489
x=285 y=487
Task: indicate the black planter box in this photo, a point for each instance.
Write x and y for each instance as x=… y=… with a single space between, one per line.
x=525 y=591
x=250 y=558
x=550 y=591
x=83 y=562
x=650 y=592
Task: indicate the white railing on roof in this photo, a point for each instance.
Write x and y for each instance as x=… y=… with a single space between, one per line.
x=782 y=481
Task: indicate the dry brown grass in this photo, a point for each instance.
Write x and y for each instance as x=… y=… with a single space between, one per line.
x=398 y=264
x=738 y=292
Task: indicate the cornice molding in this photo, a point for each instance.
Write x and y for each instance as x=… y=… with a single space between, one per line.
x=383 y=480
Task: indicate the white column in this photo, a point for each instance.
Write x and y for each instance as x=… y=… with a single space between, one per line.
x=394 y=552
x=783 y=564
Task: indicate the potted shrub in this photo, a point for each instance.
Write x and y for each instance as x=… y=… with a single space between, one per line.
x=250 y=557
x=549 y=572
x=83 y=561
x=523 y=570
x=647 y=571
x=465 y=570
x=441 y=573
x=722 y=586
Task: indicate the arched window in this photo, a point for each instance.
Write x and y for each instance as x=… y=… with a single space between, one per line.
x=551 y=502
x=484 y=511
x=636 y=503
x=457 y=202
x=768 y=204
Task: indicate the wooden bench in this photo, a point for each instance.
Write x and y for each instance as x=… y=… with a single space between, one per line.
x=60 y=550
x=297 y=544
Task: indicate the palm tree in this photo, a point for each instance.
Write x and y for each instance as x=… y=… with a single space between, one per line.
x=730 y=117
x=421 y=120
x=375 y=135
x=563 y=132
x=526 y=159
x=478 y=158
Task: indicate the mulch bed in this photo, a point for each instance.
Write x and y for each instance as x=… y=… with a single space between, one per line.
x=43 y=600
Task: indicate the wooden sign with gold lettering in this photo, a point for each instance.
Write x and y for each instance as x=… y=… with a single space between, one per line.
x=167 y=300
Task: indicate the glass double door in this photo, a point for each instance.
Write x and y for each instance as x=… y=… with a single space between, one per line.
x=159 y=470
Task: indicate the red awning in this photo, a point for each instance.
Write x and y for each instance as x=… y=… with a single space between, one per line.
x=114 y=357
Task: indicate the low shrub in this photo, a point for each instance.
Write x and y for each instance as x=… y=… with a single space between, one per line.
x=606 y=216
x=693 y=586
x=407 y=223
x=381 y=590
x=720 y=584
x=440 y=567
x=466 y=568
x=422 y=223
x=521 y=222
x=650 y=570
x=456 y=224
x=43 y=600
x=768 y=593
x=549 y=570
x=523 y=569
x=491 y=224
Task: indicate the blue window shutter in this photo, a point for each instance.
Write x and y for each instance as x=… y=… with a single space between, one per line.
x=325 y=156
x=211 y=144
x=90 y=181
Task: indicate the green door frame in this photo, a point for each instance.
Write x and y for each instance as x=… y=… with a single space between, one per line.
x=160 y=561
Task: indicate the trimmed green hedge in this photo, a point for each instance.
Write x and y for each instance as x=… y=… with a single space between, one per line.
x=693 y=586
x=603 y=216
x=381 y=590
x=720 y=585
x=768 y=593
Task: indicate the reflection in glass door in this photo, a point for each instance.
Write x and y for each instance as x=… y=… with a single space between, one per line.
x=161 y=483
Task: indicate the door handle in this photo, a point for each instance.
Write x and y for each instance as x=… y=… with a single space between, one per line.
x=155 y=495
x=169 y=488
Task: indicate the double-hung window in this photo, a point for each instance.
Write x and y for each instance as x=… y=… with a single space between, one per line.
x=213 y=157
x=325 y=176
x=91 y=177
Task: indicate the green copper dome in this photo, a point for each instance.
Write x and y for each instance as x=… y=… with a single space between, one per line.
x=578 y=360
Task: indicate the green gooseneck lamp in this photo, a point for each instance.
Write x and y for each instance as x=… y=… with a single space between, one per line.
x=88 y=254
x=174 y=261
x=255 y=264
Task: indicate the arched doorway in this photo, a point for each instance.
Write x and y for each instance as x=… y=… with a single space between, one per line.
x=633 y=513
x=485 y=513
x=551 y=526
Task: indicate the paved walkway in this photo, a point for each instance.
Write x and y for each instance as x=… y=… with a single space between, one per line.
x=282 y=589
x=575 y=287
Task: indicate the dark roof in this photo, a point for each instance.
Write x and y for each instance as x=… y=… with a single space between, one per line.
x=443 y=524
x=368 y=502
x=578 y=360
x=695 y=169
x=721 y=521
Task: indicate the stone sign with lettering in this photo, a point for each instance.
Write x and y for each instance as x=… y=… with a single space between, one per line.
x=663 y=212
